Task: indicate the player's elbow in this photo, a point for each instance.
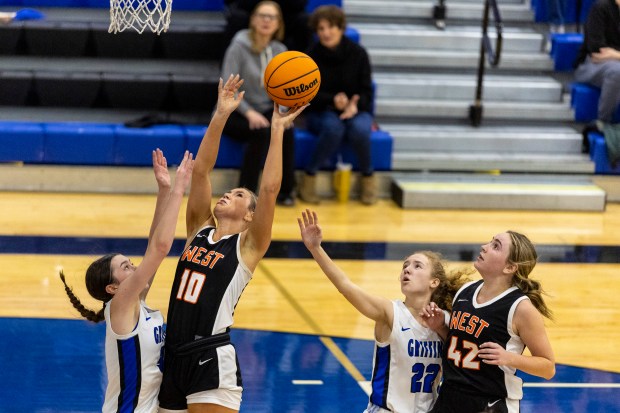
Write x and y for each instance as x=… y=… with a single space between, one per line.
x=162 y=247
x=549 y=372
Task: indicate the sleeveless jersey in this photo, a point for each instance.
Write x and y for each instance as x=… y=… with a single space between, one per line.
x=208 y=283
x=407 y=367
x=472 y=324
x=134 y=364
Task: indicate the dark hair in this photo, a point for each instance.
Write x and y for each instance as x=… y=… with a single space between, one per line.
x=449 y=283
x=98 y=277
x=333 y=14
x=523 y=254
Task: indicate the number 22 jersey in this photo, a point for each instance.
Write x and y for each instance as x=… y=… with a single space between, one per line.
x=407 y=367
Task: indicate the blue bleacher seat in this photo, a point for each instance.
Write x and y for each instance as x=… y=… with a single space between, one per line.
x=313 y=4
x=381 y=146
x=564 y=50
x=134 y=146
x=541 y=13
x=584 y=101
x=21 y=141
x=598 y=154
x=202 y=5
x=79 y=143
x=230 y=153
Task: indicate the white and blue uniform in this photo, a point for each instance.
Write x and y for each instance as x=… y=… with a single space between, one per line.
x=134 y=364
x=407 y=367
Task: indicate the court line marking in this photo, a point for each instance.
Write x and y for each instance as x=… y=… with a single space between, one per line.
x=307 y=382
x=575 y=385
x=327 y=341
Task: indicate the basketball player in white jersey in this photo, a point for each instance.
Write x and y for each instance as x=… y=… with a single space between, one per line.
x=492 y=322
x=407 y=359
x=134 y=332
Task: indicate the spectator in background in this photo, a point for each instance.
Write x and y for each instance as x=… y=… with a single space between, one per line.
x=341 y=109
x=297 y=34
x=555 y=15
x=248 y=56
x=598 y=62
x=439 y=14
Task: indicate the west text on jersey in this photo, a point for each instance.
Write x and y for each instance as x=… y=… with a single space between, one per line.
x=201 y=256
x=468 y=323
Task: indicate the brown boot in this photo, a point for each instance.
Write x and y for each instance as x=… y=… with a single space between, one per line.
x=307 y=190
x=369 y=190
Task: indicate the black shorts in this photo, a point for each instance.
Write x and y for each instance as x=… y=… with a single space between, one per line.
x=455 y=401
x=197 y=367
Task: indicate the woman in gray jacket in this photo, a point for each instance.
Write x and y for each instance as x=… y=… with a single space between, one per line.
x=248 y=55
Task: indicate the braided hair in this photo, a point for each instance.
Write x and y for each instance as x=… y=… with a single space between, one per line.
x=98 y=277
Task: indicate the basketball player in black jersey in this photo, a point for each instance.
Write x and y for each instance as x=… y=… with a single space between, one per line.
x=492 y=322
x=224 y=246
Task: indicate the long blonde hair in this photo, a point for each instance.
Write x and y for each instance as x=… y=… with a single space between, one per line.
x=523 y=254
x=278 y=35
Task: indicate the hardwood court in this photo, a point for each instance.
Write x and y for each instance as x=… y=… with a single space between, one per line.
x=41 y=232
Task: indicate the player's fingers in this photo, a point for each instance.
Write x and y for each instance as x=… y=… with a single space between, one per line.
x=315 y=217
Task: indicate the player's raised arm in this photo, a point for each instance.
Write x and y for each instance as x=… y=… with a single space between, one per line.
x=374 y=307
x=257 y=238
x=199 y=202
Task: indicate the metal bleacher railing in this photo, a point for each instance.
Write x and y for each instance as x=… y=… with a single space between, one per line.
x=486 y=48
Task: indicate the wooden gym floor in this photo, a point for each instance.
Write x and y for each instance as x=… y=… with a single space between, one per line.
x=302 y=347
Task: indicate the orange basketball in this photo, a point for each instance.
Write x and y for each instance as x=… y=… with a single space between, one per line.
x=292 y=79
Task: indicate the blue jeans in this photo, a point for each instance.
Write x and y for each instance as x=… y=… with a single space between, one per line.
x=332 y=132
x=555 y=11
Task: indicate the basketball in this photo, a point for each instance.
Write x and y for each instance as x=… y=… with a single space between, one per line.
x=292 y=79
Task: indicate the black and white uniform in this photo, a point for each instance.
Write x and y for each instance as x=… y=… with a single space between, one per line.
x=134 y=364
x=469 y=385
x=208 y=283
x=406 y=367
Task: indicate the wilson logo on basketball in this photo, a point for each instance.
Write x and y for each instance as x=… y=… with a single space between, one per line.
x=292 y=91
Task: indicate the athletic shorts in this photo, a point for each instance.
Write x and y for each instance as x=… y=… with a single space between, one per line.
x=456 y=401
x=206 y=375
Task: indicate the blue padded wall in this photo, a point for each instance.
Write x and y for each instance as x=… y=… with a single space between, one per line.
x=134 y=146
x=79 y=143
x=21 y=141
x=230 y=153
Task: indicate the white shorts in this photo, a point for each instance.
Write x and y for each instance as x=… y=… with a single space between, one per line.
x=230 y=398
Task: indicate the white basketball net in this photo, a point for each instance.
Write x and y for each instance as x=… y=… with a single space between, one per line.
x=140 y=15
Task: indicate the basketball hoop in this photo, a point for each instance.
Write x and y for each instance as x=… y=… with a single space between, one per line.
x=140 y=15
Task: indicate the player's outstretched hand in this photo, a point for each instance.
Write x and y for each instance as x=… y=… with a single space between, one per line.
x=285 y=119
x=160 y=169
x=228 y=95
x=311 y=233
x=184 y=172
